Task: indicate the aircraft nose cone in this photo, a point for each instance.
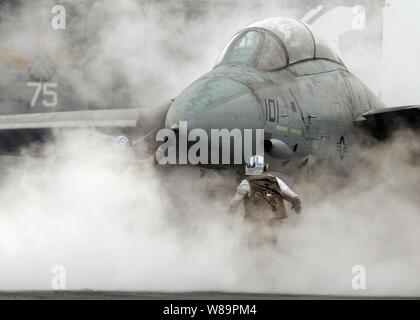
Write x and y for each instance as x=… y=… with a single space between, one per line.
x=216 y=104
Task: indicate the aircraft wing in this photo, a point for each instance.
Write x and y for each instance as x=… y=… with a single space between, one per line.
x=116 y=118
x=384 y=121
x=144 y=119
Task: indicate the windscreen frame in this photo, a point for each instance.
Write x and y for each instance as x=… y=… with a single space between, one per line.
x=251 y=61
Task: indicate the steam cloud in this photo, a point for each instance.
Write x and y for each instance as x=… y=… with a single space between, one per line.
x=117 y=226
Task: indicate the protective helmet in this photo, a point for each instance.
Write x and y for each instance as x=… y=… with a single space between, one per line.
x=255 y=166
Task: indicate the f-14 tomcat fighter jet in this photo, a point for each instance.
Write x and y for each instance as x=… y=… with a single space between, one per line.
x=277 y=75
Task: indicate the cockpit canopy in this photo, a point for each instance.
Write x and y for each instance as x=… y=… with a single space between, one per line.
x=275 y=43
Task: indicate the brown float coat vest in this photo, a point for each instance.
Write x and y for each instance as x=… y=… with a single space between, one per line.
x=265 y=200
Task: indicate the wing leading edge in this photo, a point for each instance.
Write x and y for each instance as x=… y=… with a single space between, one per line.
x=381 y=123
x=19 y=130
x=115 y=118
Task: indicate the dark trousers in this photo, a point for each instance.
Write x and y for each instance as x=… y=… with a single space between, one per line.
x=261 y=232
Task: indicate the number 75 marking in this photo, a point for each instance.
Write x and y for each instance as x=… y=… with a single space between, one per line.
x=48 y=90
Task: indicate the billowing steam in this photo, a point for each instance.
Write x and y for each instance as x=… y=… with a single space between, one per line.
x=120 y=225
x=113 y=225
x=131 y=53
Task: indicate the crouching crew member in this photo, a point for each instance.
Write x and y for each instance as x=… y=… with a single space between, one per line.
x=263 y=196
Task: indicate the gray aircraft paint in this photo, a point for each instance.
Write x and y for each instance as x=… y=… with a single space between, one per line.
x=314 y=106
x=310 y=106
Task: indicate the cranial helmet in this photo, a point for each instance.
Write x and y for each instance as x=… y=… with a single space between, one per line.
x=255 y=166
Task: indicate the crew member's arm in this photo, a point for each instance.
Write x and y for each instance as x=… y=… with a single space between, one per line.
x=242 y=192
x=289 y=195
